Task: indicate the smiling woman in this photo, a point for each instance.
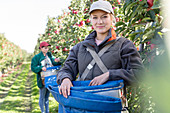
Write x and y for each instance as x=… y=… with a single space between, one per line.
x=22 y=21
x=114 y=57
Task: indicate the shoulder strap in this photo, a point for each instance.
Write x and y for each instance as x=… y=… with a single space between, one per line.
x=98 y=60
x=100 y=63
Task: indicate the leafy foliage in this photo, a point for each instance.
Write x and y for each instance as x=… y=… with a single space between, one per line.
x=10 y=54
x=138 y=20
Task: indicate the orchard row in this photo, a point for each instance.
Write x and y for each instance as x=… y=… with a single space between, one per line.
x=10 y=55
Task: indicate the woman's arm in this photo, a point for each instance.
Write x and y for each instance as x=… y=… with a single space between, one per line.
x=70 y=68
x=68 y=72
x=132 y=67
x=35 y=67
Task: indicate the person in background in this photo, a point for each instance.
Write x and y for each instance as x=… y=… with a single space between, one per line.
x=39 y=63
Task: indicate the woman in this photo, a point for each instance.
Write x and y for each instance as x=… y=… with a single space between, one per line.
x=39 y=63
x=122 y=59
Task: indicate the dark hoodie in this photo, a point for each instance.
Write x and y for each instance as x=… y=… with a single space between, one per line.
x=121 y=59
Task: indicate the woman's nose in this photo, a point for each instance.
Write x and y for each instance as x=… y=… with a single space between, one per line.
x=99 y=21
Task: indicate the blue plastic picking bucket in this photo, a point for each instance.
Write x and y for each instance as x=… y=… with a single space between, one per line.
x=50 y=75
x=85 y=99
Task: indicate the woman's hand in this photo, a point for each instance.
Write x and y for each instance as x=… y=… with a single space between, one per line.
x=44 y=69
x=100 y=79
x=65 y=87
x=57 y=59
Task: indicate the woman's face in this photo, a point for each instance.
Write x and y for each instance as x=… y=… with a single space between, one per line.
x=101 y=21
x=44 y=49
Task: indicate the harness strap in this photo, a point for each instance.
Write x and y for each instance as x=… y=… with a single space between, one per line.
x=98 y=60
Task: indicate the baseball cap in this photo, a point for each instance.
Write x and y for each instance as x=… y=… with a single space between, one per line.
x=44 y=44
x=101 y=5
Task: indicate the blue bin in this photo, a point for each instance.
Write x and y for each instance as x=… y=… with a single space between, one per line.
x=50 y=75
x=87 y=99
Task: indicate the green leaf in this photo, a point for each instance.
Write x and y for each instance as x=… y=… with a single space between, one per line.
x=146 y=19
x=128 y=8
x=127 y=2
x=135 y=12
x=136 y=32
x=149 y=33
x=152 y=14
x=156 y=6
x=119 y=23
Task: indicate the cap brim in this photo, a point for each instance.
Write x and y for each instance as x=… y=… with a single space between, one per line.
x=99 y=9
x=45 y=46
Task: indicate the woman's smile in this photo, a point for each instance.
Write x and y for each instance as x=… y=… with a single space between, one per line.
x=100 y=27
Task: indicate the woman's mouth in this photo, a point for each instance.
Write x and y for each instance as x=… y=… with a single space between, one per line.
x=100 y=27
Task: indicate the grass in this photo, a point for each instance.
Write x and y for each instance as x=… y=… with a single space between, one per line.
x=18 y=99
x=7 y=83
x=53 y=104
x=21 y=94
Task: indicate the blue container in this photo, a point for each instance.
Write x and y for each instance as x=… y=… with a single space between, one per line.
x=50 y=75
x=89 y=99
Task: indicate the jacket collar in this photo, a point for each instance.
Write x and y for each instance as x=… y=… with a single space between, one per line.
x=90 y=40
x=42 y=57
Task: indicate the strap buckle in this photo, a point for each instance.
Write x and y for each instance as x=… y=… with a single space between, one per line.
x=90 y=66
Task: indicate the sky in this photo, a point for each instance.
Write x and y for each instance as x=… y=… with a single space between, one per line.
x=22 y=20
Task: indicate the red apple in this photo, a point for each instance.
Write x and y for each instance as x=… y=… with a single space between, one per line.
x=118 y=1
x=81 y=23
x=117 y=19
x=88 y=21
x=65 y=49
x=150 y=3
x=69 y=8
x=149 y=43
x=57 y=47
x=152 y=46
x=74 y=12
x=56 y=32
x=92 y=27
x=2 y=46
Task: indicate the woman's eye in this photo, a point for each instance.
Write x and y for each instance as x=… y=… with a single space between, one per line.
x=105 y=16
x=94 y=17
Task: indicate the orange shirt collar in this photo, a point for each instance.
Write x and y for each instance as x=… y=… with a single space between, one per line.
x=113 y=35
